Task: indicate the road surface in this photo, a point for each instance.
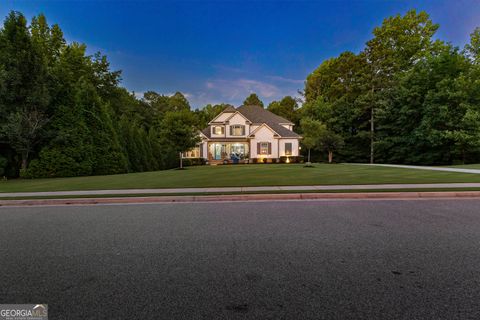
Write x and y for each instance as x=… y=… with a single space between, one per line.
x=376 y=259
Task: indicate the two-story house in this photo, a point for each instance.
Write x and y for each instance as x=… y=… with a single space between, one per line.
x=247 y=133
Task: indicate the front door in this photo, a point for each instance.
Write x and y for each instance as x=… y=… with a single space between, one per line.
x=219 y=150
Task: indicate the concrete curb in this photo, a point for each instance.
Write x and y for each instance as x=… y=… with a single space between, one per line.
x=246 y=197
x=221 y=190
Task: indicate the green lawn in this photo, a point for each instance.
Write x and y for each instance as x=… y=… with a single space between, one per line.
x=242 y=175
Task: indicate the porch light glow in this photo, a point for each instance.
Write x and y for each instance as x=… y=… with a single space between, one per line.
x=288 y=160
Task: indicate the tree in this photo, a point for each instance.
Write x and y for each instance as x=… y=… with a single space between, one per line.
x=337 y=78
x=472 y=49
x=430 y=115
x=286 y=108
x=178 y=133
x=253 y=100
x=108 y=157
x=23 y=87
x=312 y=132
x=207 y=113
x=23 y=130
x=178 y=102
x=399 y=43
x=3 y=164
x=333 y=95
x=64 y=113
x=330 y=142
x=161 y=104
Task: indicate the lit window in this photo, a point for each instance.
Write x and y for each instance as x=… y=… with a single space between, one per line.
x=288 y=148
x=237 y=130
x=264 y=148
x=217 y=130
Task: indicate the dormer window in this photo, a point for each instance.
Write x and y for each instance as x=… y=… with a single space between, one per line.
x=237 y=130
x=218 y=130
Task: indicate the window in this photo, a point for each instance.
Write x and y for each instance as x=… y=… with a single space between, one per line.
x=237 y=130
x=217 y=130
x=288 y=148
x=193 y=153
x=265 y=147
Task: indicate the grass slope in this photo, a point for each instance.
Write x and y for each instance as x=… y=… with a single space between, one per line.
x=242 y=175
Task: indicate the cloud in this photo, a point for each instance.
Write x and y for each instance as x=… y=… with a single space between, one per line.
x=139 y=94
x=229 y=69
x=241 y=88
x=283 y=79
x=234 y=91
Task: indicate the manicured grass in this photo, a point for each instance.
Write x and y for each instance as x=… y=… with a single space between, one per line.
x=242 y=175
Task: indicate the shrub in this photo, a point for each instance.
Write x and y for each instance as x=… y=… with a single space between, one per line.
x=194 y=162
x=292 y=159
x=3 y=164
x=53 y=163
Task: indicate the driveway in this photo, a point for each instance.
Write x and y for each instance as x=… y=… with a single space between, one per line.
x=446 y=169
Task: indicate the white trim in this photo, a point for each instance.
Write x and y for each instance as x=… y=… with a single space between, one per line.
x=237 y=112
x=262 y=125
x=213 y=121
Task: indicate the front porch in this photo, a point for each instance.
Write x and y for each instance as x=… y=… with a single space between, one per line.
x=231 y=151
x=238 y=151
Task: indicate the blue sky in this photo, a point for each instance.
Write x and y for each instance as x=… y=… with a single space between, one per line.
x=220 y=51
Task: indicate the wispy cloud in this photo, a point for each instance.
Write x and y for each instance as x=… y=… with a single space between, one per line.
x=228 y=69
x=139 y=94
x=234 y=91
x=283 y=79
x=240 y=88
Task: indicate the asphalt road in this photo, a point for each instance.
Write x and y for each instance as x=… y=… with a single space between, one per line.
x=260 y=260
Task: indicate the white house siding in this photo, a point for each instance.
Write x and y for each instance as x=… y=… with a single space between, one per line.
x=223 y=117
x=281 y=146
x=204 y=149
x=237 y=119
x=263 y=134
x=253 y=127
x=288 y=126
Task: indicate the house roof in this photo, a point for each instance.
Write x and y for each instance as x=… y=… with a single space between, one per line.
x=259 y=115
x=229 y=108
x=206 y=132
x=282 y=131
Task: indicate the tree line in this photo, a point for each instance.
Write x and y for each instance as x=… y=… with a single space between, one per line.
x=405 y=98
x=63 y=112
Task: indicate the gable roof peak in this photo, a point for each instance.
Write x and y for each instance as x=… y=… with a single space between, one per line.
x=229 y=109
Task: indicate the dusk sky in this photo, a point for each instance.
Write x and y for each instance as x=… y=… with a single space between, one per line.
x=220 y=51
